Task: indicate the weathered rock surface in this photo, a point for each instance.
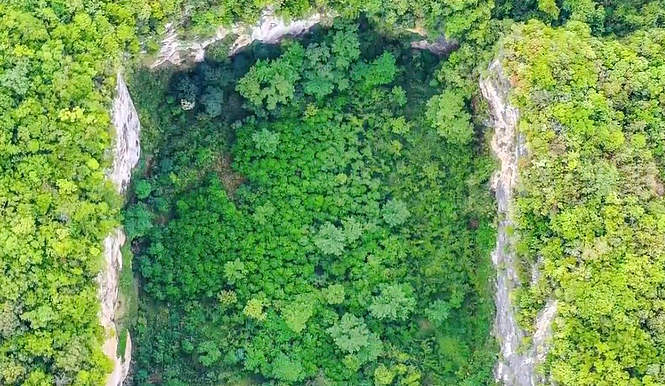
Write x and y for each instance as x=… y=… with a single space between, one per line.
x=440 y=47
x=269 y=29
x=126 y=151
x=108 y=284
x=126 y=147
x=515 y=367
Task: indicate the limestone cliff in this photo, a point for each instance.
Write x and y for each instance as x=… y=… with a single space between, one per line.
x=516 y=366
x=125 y=153
x=269 y=29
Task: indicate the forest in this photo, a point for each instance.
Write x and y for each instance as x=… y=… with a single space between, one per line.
x=315 y=250
x=319 y=211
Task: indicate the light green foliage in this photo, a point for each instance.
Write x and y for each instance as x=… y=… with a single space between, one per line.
x=330 y=239
x=57 y=75
x=438 y=311
x=383 y=375
x=297 y=314
x=286 y=369
x=350 y=334
x=227 y=298
x=254 y=309
x=447 y=114
x=395 y=212
x=208 y=353
x=353 y=230
x=393 y=303
x=334 y=294
x=590 y=206
x=381 y=71
x=550 y=8
x=273 y=82
x=234 y=271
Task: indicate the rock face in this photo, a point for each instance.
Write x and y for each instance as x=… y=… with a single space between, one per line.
x=515 y=367
x=108 y=285
x=126 y=151
x=440 y=47
x=269 y=29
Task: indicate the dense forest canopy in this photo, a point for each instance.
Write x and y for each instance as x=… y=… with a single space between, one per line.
x=319 y=211
x=315 y=250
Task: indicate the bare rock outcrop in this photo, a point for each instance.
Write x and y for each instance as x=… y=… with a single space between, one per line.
x=108 y=284
x=516 y=366
x=126 y=147
x=269 y=29
x=126 y=151
x=440 y=47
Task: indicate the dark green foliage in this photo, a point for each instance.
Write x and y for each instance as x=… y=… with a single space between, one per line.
x=604 y=17
x=349 y=218
x=142 y=189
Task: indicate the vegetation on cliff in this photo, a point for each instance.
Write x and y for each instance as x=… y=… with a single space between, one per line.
x=590 y=210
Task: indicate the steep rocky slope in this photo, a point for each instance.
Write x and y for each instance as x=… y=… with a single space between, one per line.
x=516 y=365
x=126 y=151
x=269 y=29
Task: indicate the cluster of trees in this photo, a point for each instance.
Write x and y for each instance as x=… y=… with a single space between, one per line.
x=590 y=210
x=57 y=74
x=356 y=248
x=603 y=17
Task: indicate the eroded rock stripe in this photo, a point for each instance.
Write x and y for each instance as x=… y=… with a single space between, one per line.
x=516 y=366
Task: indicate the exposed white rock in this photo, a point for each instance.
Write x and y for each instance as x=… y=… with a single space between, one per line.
x=515 y=367
x=126 y=151
x=108 y=285
x=269 y=29
x=540 y=344
x=126 y=147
